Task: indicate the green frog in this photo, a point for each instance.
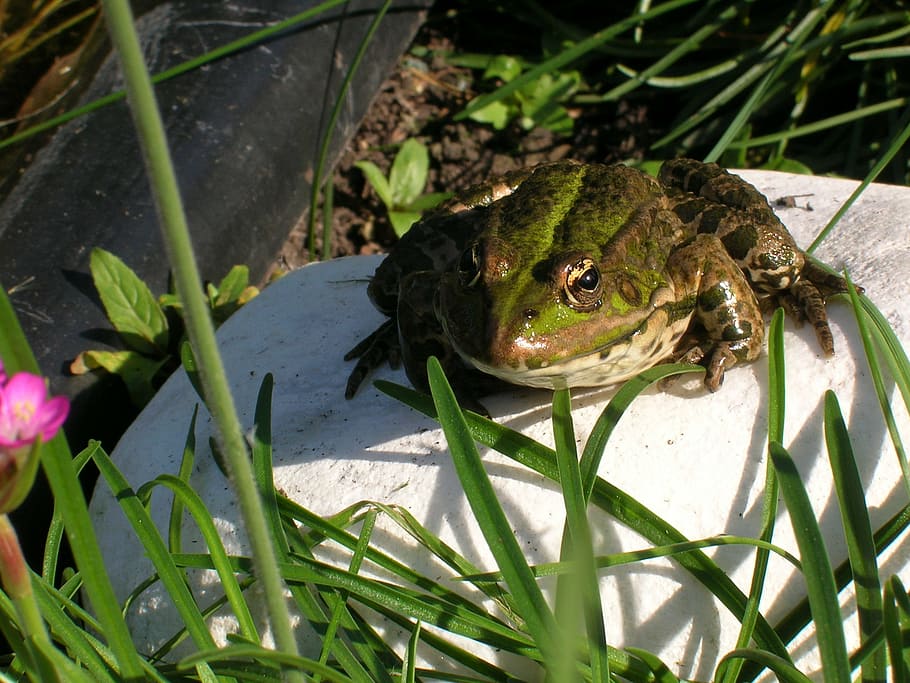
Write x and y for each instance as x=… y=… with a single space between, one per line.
x=570 y=274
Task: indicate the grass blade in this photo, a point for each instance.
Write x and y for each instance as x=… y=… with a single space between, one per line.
x=897 y=629
x=61 y=471
x=492 y=520
x=892 y=149
x=782 y=668
x=858 y=531
x=175 y=518
x=206 y=525
x=869 y=349
x=608 y=419
x=154 y=547
x=822 y=590
x=776 y=410
x=578 y=539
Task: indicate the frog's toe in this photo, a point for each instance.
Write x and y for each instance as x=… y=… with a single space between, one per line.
x=715 y=358
x=716 y=362
x=380 y=346
x=355 y=379
x=811 y=304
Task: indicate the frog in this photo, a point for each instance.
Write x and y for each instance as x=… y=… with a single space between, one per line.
x=571 y=274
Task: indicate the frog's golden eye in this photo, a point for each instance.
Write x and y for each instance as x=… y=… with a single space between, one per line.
x=584 y=285
x=469 y=266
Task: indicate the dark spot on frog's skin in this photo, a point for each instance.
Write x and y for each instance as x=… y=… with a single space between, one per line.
x=711 y=217
x=712 y=298
x=736 y=332
x=678 y=310
x=530 y=313
x=740 y=241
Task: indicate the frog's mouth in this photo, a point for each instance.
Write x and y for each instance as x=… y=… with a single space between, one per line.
x=531 y=360
x=620 y=359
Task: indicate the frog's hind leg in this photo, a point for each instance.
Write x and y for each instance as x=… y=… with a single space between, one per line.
x=725 y=307
x=724 y=204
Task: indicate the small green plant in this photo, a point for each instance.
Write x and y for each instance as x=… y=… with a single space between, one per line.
x=151 y=329
x=402 y=191
x=539 y=101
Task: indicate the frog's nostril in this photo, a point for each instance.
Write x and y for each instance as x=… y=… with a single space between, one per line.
x=531 y=313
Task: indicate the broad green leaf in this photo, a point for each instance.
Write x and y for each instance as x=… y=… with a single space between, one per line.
x=377 y=180
x=136 y=370
x=403 y=220
x=232 y=293
x=408 y=177
x=540 y=101
x=497 y=114
x=129 y=304
x=504 y=67
x=233 y=285
x=559 y=87
x=170 y=300
x=428 y=201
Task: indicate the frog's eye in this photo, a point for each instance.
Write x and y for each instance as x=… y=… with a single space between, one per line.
x=469 y=266
x=584 y=285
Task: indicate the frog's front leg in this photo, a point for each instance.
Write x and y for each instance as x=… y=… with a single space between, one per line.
x=724 y=306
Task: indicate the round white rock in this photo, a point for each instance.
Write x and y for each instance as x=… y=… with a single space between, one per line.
x=696 y=459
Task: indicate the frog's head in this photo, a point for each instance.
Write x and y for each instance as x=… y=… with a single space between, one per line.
x=564 y=283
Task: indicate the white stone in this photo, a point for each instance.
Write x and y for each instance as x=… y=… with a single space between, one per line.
x=697 y=459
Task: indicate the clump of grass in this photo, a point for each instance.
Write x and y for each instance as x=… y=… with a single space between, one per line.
x=792 y=86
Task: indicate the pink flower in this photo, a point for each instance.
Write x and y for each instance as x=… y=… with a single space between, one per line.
x=26 y=412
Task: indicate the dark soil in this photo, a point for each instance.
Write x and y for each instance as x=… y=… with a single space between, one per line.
x=420 y=100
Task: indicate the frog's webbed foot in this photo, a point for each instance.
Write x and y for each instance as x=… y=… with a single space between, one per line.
x=380 y=346
x=806 y=300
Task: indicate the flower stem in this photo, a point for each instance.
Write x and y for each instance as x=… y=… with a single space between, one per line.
x=199 y=326
x=17 y=584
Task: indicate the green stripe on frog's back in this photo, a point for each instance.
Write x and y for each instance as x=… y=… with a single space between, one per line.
x=530 y=218
x=561 y=209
